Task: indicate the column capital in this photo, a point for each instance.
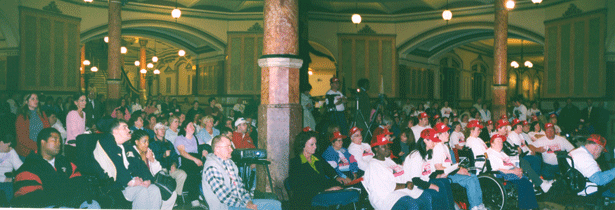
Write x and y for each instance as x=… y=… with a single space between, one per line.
x=280 y=61
x=143 y=42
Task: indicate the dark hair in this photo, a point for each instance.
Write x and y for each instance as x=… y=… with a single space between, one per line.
x=133 y=119
x=195 y=101
x=115 y=124
x=454 y=125
x=76 y=97
x=303 y=138
x=532 y=128
x=182 y=128
x=363 y=83
x=137 y=135
x=211 y=99
x=44 y=135
x=411 y=142
x=24 y=111
x=305 y=87
x=421 y=148
x=225 y=130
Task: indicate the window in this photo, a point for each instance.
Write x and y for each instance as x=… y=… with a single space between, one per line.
x=478 y=80
x=168 y=84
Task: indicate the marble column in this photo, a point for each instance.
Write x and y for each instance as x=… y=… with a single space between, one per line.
x=142 y=65
x=82 y=69
x=279 y=113
x=114 y=71
x=500 y=53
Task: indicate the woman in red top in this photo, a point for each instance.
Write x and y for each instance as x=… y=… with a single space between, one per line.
x=30 y=121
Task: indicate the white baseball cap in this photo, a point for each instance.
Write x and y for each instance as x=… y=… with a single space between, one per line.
x=240 y=121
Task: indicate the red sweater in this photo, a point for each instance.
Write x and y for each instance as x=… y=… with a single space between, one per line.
x=22 y=127
x=242 y=141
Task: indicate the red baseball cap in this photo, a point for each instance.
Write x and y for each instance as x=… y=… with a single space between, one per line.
x=423 y=115
x=489 y=122
x=525 y=123
x=387 y=132
x=553 y=115
x=354 y=130
x=503 y=117
x=436 y=117
x=476 y=123
x=501 y=123
x=515 y=122
x=441 y=128
x=430 y=134
x=534 y=118
x=334 y=79
x=598 y=140
x=549 y=125
x=381 y=140
x=337 y=135
x=497 y=136
x=307 y=129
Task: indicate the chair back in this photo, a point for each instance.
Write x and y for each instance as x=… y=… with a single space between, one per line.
x=574 y=180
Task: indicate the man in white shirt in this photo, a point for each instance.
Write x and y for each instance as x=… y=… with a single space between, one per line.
x=422 y=125
x=548 y=145
x=520 y=111
x=584 y=159
x=337 y=114
x=527 y=161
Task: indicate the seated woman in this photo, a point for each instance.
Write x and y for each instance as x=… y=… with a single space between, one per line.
x=164 y=152
x=388 y=186
x=475 y=143
x=422 y=172
x=402 y=146
x=308 y=176
x=338 y=157
x=140 y=143
x=190 y=161
x=442 y=161
x=208 y=132
x=502 y=163
x=361 y=151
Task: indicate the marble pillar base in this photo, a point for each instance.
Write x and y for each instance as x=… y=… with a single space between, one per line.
x=278 y=126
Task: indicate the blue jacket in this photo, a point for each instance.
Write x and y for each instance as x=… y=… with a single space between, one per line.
x=333 y=158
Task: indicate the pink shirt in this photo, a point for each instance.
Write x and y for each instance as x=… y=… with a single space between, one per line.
x=75 y=125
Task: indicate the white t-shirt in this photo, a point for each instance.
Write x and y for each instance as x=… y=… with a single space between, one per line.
x=457 y=138
x=446 y=111
x=478 y=147
x=441 y=155
x=499 y=160
x=417 y=131
x=415 y=166
x=516 y=139
x=339 y=107
x=485 y=114
x=362 y=153
x=557 y=144
x=584 y=162
x=380 y=180
x=533 y=111
x=9 y=161
x=536 y=135
x=520 y=112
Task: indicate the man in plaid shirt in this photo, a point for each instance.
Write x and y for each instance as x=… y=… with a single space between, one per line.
x=223 y=187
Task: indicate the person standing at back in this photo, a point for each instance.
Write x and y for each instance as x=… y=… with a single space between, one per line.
x=337 y=115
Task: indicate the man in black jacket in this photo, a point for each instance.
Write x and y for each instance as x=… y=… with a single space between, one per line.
x=365 y=107
x=119 y=163
x=47 y=179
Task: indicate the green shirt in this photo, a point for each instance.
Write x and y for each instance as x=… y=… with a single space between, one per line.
x=314 y=159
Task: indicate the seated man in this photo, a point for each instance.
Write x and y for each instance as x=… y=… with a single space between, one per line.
x=116 y=162
x=548 y=145
x=584 y=159
x=222 y=185
x=47 y=179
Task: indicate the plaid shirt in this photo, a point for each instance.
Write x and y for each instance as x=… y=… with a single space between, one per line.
x=235 y=195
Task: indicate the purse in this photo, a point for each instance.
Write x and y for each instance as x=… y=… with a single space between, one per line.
x=165 y=183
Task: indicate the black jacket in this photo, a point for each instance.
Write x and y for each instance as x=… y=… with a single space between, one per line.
x=123 y=174
x=38 y=184
x=305 y=183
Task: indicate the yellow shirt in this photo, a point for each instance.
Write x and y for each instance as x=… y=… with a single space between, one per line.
x=314 y=159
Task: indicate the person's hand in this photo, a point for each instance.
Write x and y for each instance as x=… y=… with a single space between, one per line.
x=518 y=172
x=167 y=153
x=400 y=154
x=198 y=162
x=205 y=153
x=409 y=185
x=541 y=149
x=441 y=176
x=463 y=171
x=135 y=182
x=434 y=187
x=334 y=188
x=173 y=168
x=341 y=180
x=8 y=180
x=251 y=205
x=149 y=155
x=146 y=183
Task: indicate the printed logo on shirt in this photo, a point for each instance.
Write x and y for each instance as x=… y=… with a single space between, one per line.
x=367 y=153
x=397 y=170
x=426 y=169
x=553 y=148
x=507 y=162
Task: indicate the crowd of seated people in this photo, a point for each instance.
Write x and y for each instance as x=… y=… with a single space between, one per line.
x=134 y=144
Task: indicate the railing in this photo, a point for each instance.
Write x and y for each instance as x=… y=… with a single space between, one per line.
x=127 y=82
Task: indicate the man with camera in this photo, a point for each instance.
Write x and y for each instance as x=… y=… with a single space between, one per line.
x=335 y=105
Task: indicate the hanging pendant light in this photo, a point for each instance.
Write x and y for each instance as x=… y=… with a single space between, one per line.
x=447 y=14
x=356 y=18
x=156 y=71
x=88 y=1
x=155 y=58
x=137 y=63
x=143 y=71
x=536 y=1
x=150 y=65
x=181 y=53
x=86 y=63
x=176 y=13
x=106 y=39
x=123 y=50
x=510 y=4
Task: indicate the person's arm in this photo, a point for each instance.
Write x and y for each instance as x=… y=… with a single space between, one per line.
x=226 y=196
x=29 y=191
x=23 y=135
x=72 y=128
x=603 y=177
x=183 y=153
x=332 y=159
x=14 y=160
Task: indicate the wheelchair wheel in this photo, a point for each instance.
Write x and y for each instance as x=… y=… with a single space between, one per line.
x=494 y=192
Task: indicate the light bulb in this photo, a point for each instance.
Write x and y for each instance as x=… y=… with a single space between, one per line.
x=447 y=15
x=86 y=62
x=356 y=18
x=137 y=63
x=155 y=59
x=156 y=71
x=123 y=50
x=150 y=65
x=536 y=1
x=94 y=69
x=528 y=64
x=176 y=13
x=181 y=53
x=510 y=4
x=310 y=72
x=106 y=39
x=88 y=1
x=514 y=64
x=143 y=71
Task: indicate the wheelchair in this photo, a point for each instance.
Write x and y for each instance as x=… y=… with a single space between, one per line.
x=571 y=182
x=498 y=194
